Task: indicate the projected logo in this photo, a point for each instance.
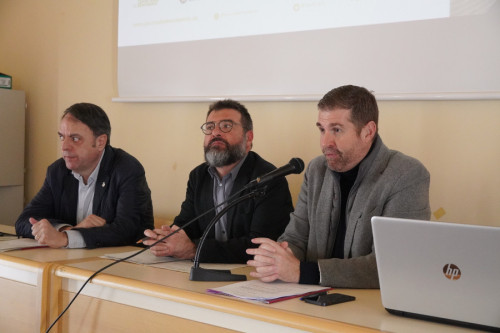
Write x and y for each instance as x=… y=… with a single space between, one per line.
x=143 y=3
x=452 y=272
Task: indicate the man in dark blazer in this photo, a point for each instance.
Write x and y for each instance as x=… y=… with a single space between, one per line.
x=95 y=195
x=230 y=165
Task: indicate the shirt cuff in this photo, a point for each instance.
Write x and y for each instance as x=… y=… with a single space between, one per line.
x=75 y=239
x=309 y=273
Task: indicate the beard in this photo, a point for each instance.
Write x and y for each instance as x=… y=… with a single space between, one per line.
x=222 y=156
x=337 y=163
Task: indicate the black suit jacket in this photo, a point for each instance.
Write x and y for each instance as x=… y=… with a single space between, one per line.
x=122 y=197
x=265 y=216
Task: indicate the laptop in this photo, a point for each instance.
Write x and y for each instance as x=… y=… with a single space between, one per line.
x=439 y=271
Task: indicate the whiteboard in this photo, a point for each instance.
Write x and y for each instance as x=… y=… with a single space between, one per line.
x=457 y=57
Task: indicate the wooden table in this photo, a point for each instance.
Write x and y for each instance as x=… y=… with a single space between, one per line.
x=137 y=298
x=25 y=276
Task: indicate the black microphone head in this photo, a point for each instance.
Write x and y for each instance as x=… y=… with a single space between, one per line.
x=298 y=164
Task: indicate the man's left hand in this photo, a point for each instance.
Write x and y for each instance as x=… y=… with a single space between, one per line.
x=91 y=221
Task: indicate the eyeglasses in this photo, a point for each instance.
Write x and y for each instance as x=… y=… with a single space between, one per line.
x=225 y=126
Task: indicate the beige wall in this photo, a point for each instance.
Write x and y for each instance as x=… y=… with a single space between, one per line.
x=64 y=51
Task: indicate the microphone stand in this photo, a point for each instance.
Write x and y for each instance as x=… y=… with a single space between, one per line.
x=203 y=274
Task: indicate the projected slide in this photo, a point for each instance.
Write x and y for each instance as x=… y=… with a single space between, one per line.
x=144 y=22
x=198 y=50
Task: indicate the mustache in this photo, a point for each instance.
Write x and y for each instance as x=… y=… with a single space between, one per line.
x=331 y=150
x=218 y=139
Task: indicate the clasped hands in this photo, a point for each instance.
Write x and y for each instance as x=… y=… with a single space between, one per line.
x=273 y=261
x=46 y=234
x=179 y=245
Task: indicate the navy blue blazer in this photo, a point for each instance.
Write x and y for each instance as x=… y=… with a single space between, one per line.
x=265 y=216
x=122 y=197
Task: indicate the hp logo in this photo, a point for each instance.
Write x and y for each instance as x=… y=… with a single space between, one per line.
x=452 y=272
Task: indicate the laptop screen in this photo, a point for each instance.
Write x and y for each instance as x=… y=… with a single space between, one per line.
x=437 y=270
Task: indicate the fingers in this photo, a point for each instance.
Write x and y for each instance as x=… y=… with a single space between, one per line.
x=155 y=235
x=259 y=261
x=160 y=250
x=41 y=232
x=149 y=242
x=267 y=248
x=163 y=231
x=150 y=233
x=165 y=227
x=265 y=273
x=271 y=278
x=264 y=278
x=273 y=261
x=46 y=234
x=270 y=246
x=92 y=221
x=97 y=221
x=265 y=241
x=41 y=238
x=266 y=255
x=37 y=227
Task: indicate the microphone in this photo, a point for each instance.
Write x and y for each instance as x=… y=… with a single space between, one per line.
x=295 y=166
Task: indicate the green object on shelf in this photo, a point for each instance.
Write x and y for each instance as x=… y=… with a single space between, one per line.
x=5 y=81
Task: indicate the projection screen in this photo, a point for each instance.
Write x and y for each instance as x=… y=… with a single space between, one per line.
x=199 y=50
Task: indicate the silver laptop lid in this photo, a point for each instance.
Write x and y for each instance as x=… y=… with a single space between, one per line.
x=437 y=269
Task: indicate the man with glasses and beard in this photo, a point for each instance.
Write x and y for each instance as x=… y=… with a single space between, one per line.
x=230 y=165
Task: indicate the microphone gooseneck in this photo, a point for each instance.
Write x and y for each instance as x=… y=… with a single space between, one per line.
x=295 y=166
x=202 y=274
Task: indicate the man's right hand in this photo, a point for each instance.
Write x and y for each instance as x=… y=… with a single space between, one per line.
x=46 y=234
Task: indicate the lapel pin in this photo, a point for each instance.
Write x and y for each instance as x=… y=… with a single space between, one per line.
x=103 y=184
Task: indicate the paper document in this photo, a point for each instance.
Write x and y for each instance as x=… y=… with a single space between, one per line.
x=5 y=237
x=146 y=257
x=185 y=266
x=174 y=264
x=19 y=244
x=257 y=290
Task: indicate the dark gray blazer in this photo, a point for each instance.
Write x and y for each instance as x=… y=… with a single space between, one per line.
x=389 y=183
x=122 y=197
